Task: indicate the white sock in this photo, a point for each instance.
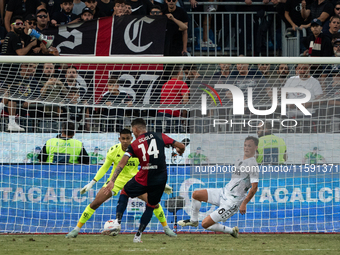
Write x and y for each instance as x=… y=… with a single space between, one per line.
x=2 y=106
x=195 y=209
x=77 y=228
x=220 y=228
x=11 y=119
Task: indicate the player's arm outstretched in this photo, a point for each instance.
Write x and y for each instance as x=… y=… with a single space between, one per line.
x=101 y=172
x=117 y=171
x=251 y=193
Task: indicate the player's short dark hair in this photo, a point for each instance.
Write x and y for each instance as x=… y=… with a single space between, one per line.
x=13 y=19
x=68 y=128
x=125 y=131
x=337 y=3
x=138 y=122
x=256 y=140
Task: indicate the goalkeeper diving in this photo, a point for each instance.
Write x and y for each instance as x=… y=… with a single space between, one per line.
x=114 y=155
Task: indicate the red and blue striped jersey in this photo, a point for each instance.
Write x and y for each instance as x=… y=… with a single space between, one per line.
x=149 y=149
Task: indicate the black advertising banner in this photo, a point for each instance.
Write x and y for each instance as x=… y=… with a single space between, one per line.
x=139 y=35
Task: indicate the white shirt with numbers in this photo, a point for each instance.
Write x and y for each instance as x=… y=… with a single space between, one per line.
x=246 y=172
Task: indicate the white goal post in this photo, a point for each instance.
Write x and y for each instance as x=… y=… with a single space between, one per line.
x=210 y=103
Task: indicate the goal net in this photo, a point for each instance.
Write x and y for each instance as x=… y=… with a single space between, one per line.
x=210 y=104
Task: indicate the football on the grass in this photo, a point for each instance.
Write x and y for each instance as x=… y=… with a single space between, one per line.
x=109 y=225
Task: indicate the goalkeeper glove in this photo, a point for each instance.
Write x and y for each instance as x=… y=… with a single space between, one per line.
x=87 y=187
x=167 y=189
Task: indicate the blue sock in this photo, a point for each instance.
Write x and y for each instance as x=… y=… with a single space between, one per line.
x=144 y=221
x=121 y=207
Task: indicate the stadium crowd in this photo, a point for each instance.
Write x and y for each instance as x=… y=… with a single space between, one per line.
x=72 y=95
x=17 y=17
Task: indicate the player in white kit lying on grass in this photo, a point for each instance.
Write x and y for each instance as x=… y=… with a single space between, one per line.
x=232 y=197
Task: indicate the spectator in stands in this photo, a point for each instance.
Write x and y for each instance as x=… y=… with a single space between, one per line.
x=194 y=80
x=293 y=14
x=78 y=6
x=19 y=8
x=336 y=12
x=48 y=72
x=71 y=80
x=333 y=91
x=336 y=48
x=223 y=74
x=64 y=149
x=86 y=14
x=30 y=23
x=65 y=16
x=333 y=27
x=13 y=44
x=73 y=108
x=42 y=20
x=92 y=4
x=114 y=96
x=222 y=77
x=205 y=41
x=128 y=9
x=264 y=69
x=243 y=78
x=176 y=36
x=140 y=7
x=156 y=10
x=279 y=80
x=320 y=9
x=247 y=23
x=174 y=92
x=303 y=79
x=319 y=44
x=190 y=73
x=52 y=6
x=119 y=8
x=53 y=91
x=24 y=87
x=106 y=6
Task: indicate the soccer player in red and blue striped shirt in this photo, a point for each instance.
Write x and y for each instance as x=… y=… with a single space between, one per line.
x=152 y=176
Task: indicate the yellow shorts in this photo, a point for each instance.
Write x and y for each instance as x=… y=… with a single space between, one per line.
x=119 y=185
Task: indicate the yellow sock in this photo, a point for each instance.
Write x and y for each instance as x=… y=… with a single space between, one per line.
x=160 y=215
x=79 y=224
x=85 y=216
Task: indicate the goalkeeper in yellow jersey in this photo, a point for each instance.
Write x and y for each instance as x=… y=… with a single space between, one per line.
x=114 y=155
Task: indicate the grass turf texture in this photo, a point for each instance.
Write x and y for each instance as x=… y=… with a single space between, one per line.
x=161 y=244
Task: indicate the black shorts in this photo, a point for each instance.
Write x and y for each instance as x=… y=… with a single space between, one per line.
x=155 y=192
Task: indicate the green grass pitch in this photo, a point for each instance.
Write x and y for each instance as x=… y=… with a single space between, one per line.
x=161 y=244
